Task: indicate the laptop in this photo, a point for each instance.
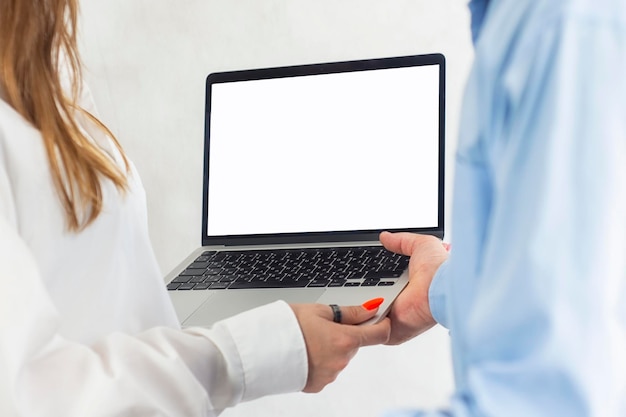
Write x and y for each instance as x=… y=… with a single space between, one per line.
x=304 y=166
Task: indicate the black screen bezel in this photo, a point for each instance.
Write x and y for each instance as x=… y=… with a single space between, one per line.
x=315 y=69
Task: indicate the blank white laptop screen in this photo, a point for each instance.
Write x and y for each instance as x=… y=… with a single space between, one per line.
x=322 y=153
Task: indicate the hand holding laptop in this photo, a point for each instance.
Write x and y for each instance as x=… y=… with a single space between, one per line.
x=410 y=313
x=330 y=345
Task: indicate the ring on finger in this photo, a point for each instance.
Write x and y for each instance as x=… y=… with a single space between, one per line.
x=336 y=313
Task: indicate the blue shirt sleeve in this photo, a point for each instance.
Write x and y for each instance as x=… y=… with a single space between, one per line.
x=538 y=319
x=437 y=296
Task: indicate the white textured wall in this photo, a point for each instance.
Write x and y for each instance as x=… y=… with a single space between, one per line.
x=146 y=64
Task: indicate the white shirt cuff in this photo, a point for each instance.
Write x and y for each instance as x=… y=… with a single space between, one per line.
x=272 y=350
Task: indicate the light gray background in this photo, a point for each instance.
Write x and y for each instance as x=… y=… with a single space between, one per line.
x=146 y=64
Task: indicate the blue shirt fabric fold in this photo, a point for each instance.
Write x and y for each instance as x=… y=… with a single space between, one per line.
x=478 y=9
x=534 y=292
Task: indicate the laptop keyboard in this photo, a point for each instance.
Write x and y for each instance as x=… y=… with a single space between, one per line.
x=289 y=268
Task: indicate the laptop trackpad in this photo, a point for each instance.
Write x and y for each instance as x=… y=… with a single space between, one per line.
x=226 y=303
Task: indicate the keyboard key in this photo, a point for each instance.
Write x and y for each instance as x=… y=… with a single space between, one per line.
x=191 y=271
x=173 y=285
x=319 y=283
x=266 y=284
x=291 y=283
x=382 y=274
x=228 y=278
x=199 y=265
x=186 y=286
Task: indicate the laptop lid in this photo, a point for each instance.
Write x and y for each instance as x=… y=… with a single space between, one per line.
x=324 y=153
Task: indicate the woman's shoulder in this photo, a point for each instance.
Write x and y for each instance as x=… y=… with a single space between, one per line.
x=19 y=139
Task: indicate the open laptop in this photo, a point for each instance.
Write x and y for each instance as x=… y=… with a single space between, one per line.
x=304 y=167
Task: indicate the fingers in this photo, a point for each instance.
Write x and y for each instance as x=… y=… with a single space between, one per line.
x=375 y=334
x=410 y=314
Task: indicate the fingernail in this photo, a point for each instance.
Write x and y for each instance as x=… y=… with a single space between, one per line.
x=447 y=246
x=373 y=303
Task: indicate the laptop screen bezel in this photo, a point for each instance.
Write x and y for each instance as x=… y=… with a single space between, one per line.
x=316 y=69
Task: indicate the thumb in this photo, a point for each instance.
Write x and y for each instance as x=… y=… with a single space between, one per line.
x=356 y=314
x=367 y=335
x=403 y=243
x=362 y=313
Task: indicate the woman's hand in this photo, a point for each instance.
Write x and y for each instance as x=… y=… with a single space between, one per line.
x=331 y=346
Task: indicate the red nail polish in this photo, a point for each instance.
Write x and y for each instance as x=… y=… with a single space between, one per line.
x=373 y=304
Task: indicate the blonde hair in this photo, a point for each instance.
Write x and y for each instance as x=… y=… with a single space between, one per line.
x=34 y=35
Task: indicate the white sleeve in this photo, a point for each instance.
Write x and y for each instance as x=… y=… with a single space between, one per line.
x=169 y=372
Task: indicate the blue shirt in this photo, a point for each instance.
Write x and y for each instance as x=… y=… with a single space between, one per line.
x=534 y=292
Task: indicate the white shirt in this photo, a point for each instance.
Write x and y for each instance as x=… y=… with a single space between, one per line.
x=86 y=326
